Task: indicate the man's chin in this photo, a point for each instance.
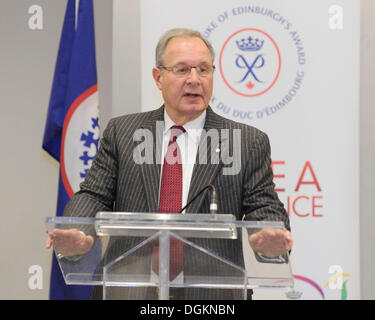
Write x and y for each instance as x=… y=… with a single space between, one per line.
x=193 y=108
x=186 y=112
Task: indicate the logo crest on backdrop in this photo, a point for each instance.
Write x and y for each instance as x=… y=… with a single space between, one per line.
x=261 y=62
x=250 y=62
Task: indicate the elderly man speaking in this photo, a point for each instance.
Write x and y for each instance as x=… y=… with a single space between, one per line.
x=171 y=178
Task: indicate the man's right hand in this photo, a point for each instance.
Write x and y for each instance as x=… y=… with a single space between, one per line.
x=70 y=242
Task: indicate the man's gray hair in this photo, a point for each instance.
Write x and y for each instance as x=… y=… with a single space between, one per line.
x=178 y=32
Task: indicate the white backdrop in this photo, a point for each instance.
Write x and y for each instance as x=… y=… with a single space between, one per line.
x=301 y=86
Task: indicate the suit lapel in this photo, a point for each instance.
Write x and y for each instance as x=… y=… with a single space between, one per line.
x=205 y=171
x=150 y=173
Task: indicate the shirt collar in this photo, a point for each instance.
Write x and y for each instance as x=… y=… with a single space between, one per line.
x=193 y=127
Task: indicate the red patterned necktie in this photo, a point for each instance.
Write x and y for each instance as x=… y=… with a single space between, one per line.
x=171 y=200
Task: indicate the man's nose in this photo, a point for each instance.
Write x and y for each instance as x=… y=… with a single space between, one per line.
x=193 y=76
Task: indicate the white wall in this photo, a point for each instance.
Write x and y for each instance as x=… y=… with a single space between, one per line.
x=367 y=151
x=126 y=76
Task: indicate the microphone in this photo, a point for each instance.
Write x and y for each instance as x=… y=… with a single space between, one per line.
x=213 y=199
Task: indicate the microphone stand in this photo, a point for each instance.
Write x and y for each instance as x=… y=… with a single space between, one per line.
x=213 y=199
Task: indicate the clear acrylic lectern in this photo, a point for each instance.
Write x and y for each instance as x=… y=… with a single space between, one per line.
x=133 y=252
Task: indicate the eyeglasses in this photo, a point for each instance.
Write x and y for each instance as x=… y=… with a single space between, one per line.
x=183 y=70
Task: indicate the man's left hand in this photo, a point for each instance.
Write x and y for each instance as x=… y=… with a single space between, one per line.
x=271 y=242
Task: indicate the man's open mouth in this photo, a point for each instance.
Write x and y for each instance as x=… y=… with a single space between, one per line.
x=194 y=95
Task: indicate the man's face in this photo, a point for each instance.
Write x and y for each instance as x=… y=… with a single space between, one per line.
x=185 y=98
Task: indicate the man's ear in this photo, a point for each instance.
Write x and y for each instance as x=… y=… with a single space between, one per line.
x=156 y=73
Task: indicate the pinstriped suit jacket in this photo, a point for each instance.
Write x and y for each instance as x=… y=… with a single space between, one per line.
x=116 y=182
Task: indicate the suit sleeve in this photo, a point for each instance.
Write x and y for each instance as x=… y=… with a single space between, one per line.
x=260 y=201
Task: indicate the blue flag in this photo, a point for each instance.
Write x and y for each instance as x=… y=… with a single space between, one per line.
x=71 y=133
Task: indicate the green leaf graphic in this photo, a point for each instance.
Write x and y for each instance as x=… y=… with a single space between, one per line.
x=344 y=292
